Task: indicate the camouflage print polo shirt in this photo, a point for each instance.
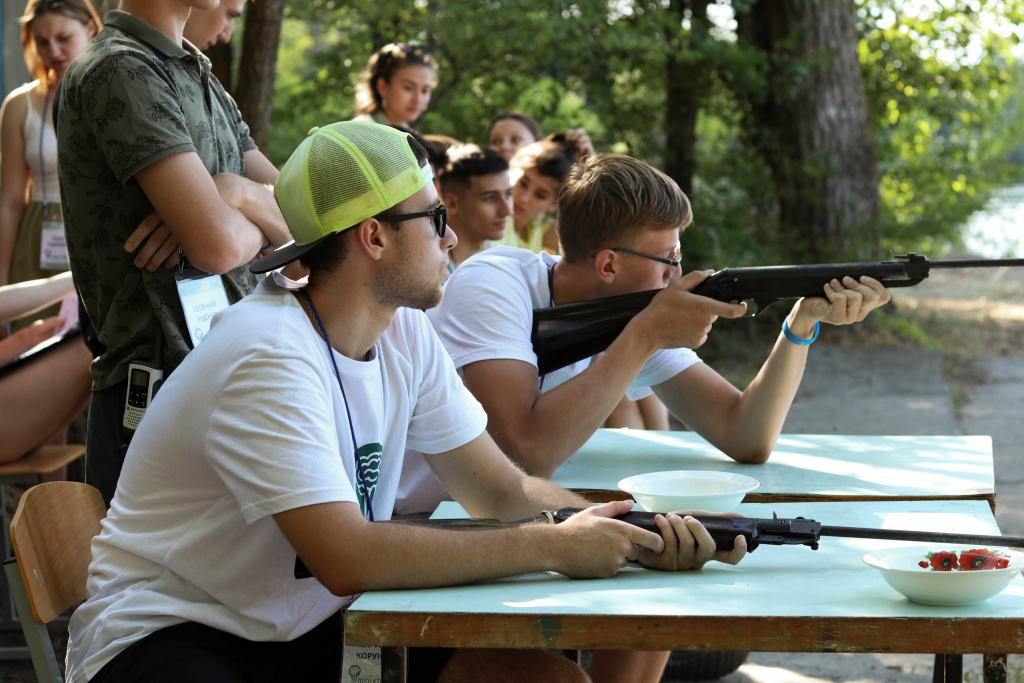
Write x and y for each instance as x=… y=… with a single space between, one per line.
x=131 y=98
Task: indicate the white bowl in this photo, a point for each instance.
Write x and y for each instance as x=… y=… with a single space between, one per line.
x=900 y=569
x=688 y=490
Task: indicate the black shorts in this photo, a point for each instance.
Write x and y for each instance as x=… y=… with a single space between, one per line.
x=200 y=654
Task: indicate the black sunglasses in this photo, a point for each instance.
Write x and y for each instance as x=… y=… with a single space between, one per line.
x=675 y=262
x=439 y=213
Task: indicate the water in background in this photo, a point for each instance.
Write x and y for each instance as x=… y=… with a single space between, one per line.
x=998 y=231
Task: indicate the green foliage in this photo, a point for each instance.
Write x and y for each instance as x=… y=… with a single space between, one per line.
x=940 y=82
x=942 y=93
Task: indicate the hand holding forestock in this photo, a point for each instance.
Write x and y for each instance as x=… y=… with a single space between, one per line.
x=847 y=302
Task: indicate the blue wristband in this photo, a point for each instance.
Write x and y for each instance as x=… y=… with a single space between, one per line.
x=797 y=340
x=270 y=245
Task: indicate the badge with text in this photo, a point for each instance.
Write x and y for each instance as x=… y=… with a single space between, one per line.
x=202 y=296
x=53 y=247
x=360 y=664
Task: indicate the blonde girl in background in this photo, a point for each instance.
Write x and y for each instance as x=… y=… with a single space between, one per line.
x=31 y=228
x=396 y=86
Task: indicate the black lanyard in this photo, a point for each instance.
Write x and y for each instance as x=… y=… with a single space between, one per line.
x=351 y=428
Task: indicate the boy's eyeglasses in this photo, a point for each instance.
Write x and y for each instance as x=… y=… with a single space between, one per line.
x=675 y=260
x=439 y=214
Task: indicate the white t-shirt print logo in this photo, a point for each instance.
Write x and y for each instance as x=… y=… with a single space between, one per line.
x=369 y=460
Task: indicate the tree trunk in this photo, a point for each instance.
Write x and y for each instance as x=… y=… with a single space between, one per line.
x=259 y=65
x=811 y=125
x=222 y=56
x=686 y=68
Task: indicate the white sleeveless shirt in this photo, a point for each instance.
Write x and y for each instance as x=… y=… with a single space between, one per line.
x=43 y=167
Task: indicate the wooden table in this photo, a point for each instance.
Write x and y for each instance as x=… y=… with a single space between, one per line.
x=778 y=599
x=803 y=467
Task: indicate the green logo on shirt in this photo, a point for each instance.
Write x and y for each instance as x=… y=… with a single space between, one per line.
x=369 y=459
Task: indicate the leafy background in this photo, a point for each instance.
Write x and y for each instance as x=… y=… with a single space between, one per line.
x=941 y=82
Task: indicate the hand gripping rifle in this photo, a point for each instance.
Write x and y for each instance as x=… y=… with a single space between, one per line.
x=775 y=531
x=756 y=531
x=563 y=335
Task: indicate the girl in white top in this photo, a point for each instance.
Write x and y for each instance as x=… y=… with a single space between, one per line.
x=31 y=230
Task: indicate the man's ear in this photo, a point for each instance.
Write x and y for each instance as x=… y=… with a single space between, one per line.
x=451 y=200
x=606 y=265
x=373 y=237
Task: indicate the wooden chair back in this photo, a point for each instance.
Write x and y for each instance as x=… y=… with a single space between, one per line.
x=51 y=536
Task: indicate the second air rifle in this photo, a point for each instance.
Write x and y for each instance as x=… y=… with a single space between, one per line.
x=756 y=531
x=724 y=530
x=563 y=335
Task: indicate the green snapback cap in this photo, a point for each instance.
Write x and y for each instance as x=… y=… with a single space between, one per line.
x=339 y=176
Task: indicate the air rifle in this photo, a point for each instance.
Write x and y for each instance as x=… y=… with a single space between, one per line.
x=563 y=335
x=756 y=531
x=775 y=531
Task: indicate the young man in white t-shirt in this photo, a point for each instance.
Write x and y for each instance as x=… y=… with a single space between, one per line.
x=273 y=453
x=618 y=225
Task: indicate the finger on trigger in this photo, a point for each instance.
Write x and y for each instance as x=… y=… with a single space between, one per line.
x=645 y=539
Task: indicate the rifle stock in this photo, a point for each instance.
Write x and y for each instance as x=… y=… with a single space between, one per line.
x=563 y=335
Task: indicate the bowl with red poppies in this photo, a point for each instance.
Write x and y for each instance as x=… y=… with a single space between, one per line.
x=688 y=490
x=948 y=576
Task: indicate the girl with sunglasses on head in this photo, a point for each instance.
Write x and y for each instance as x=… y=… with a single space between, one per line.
x=53 y=32
x=397 y=84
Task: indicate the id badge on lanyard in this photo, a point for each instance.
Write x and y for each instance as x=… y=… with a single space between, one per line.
x=202 y=296
x=360 y=663
x=53 y=247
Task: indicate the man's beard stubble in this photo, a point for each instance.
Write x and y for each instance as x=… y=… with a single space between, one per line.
x=395 y=286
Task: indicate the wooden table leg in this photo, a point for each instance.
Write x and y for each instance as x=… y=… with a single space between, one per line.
x=948 y=669
x=392 y=665
x=993 y=668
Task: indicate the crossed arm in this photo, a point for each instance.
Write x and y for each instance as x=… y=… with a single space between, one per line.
x=224 y=223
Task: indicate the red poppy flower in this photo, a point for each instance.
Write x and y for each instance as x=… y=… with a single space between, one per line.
x=978 y=559
x=943 y=561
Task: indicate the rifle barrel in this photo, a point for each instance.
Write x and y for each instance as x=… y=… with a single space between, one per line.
x=975 y=540
x=977 y=263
